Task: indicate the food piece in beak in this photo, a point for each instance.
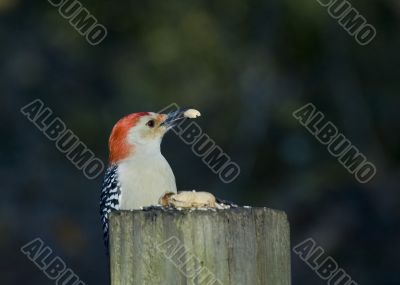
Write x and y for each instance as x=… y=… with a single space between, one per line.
x=192 y=114
x=174 y=117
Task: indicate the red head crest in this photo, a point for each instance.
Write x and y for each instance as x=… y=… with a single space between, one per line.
x=118 y=145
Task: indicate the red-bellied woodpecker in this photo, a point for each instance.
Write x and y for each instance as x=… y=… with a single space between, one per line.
x=138 y=174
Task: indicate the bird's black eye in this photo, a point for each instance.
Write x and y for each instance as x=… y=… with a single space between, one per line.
x=150 y=123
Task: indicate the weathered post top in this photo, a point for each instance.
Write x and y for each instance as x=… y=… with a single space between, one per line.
x=241 y=246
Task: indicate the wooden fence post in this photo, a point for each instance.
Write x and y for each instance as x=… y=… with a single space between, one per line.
x=240 y=246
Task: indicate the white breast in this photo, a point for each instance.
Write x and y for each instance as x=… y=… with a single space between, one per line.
x=144 y=180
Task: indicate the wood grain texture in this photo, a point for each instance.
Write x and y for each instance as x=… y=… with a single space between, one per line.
x=244 y=246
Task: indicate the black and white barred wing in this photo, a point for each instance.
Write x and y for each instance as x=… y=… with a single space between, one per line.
x=109 y=200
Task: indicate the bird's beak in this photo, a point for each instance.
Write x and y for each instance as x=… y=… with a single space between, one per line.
x=173 y=118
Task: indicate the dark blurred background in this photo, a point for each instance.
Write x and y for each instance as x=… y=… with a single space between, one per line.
x=246 y=65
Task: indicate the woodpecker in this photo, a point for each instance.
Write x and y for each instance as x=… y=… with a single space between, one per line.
x=138 y=174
